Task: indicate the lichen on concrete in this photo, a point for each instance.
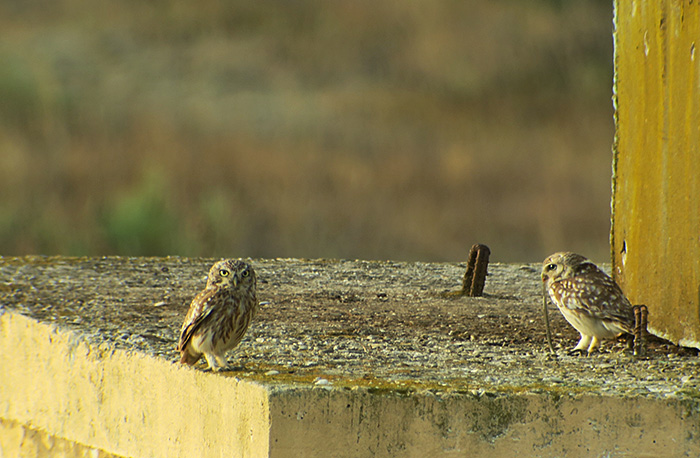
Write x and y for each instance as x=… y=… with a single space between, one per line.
x=341 y=349
x=371 y=323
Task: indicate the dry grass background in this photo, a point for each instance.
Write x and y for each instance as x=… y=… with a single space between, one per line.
x=371 y=129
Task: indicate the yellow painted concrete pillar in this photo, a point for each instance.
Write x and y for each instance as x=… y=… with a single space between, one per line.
x=655 y=234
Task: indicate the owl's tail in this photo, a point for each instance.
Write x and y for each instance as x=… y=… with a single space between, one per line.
x=188 y=358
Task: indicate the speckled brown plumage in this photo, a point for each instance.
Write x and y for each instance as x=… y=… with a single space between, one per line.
x=220 y=314
x=588 y=298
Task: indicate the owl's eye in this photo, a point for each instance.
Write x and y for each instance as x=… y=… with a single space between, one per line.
x=551 y=267
x=224 y=272
x=245 y=273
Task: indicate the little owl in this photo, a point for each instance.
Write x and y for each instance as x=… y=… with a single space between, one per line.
x=219 y=315
x=588 y=298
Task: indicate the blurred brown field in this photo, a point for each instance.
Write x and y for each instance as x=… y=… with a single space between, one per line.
x=370 y=129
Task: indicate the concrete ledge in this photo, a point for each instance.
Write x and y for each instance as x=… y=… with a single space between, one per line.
x=346 y=423
x=84 y=375
x=122 y=402
x=17 y=440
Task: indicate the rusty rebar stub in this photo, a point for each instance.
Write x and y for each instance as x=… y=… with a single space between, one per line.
x=641 y=313
x=477 y=267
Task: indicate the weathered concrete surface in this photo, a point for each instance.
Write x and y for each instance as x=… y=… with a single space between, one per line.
x=656 y=168
x=125 y=403
x=350 y=358
x=17 y=440
x=347 y=423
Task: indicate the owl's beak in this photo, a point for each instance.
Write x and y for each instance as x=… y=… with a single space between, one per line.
x=235 y=280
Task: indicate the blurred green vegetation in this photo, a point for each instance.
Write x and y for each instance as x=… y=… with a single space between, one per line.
x=363 y=129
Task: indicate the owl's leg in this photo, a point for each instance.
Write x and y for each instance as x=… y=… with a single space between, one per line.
x=216 y=362
x=595 y=343
x=582 y=345
x=221 y=361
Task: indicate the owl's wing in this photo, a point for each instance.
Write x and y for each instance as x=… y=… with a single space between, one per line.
x=200 y=309
x=588 y=268
x=597 y=295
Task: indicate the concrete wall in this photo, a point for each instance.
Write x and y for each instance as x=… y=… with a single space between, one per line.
x=124 y=403
x=351 y=424
x=18 y=440
x=656 y=168
x=61 y=396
